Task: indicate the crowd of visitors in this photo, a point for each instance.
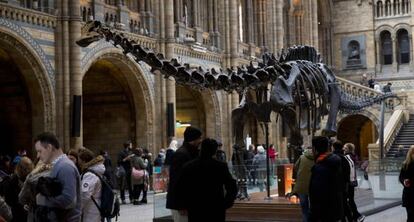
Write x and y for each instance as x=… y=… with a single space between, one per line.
x=79 y=185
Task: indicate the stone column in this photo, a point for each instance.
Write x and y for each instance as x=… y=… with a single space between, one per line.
x=66 y=75
x=379 y=52
x=60 y=115
x=75 y=63
x=233 y=29
x=410 y=37
x=279 y=24
x=98 y=9
x=216 y=36
x=169 y=51
x=315 y=25
x=394 y=55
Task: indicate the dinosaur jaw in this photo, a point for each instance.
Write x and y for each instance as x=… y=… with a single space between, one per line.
x=85 y=41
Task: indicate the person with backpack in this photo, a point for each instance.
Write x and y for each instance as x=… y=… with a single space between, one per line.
x=90 y=184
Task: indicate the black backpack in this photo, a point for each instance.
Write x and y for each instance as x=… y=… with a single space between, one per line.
x=110 y=205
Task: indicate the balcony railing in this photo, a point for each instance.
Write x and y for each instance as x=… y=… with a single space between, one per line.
x=25 y=15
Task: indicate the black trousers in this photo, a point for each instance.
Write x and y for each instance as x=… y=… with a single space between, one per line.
x=351 y=202
x=137 y=192
x=410 y=214
x=126 y=182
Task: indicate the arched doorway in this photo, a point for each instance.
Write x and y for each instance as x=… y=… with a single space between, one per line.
x=359 y=130
x=15 y=108
x=115 y=106
x=190 y=111
x=27 y=105
x=403 y=46
x=386 y=47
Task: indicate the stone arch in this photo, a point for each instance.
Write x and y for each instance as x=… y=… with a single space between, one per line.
x=36 y=79
x=140 y=87
x=382 y=28
x=364 y=130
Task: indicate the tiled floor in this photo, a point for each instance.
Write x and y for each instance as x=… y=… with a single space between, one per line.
x=396 y=214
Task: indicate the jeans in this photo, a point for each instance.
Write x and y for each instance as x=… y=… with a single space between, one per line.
x=304 y=204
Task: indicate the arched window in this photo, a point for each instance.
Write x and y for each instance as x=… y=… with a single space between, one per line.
x=403 y=46
x=386 y=47
x=84 y=14
x=388 y=8
x=397 y=10
x=379 y=9
x=403 y=11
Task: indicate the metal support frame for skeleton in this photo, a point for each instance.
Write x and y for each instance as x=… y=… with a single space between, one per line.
x=302 y=90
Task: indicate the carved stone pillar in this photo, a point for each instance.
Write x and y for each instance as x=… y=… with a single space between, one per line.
x=379 y=52
x=233 y=29
x=279 y=23
x=410 y=38
x=394 y=55
x=169 y=52
x=75 y=63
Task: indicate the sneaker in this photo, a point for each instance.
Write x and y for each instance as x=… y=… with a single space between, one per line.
x=361 y=218
x=143 y=201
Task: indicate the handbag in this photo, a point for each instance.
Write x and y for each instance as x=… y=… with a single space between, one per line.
x=120 y=172
x=137 y=174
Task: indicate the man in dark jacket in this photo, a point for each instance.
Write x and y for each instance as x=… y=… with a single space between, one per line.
x=124 y=158
x=325 y=190
x=345 y=180
x=206 y=187
x=187 y=152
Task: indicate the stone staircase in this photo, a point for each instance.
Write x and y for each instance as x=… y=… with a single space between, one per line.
x=405 y=137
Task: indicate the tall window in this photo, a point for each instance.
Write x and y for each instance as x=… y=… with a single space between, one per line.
x=379 y=9
x=403 y=46
x=397 y=7
x=241 y=23
x=387 y=8
x=386 y=43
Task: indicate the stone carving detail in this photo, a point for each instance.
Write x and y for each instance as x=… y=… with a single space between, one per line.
x=46 y=85
x=33 y=44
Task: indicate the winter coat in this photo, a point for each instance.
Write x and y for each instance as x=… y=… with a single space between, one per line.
x=325 y=190
x=10 y=189
x=91 y=186
x=303 y=167
x=206 y=190
x=259 y=163
x=125 y=164
x=346 y=169
x=27 y=195
x=5 y=211
x=183 y=155
x=408 y=192
x=351 y=174
x=139 y=164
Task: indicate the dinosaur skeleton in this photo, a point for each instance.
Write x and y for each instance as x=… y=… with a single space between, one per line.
x=302 y=90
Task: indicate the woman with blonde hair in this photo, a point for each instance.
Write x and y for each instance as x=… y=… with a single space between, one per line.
x=407 y=180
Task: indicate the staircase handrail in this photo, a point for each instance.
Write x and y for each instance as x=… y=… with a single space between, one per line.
x=357 y=89
x=392 y=128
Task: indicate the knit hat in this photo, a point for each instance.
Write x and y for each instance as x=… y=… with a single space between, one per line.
x=191 y=134
x=320 y=143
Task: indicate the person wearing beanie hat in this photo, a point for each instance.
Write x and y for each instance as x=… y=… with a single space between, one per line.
x=325 y=188
x=187 y=152
x=210 y=178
